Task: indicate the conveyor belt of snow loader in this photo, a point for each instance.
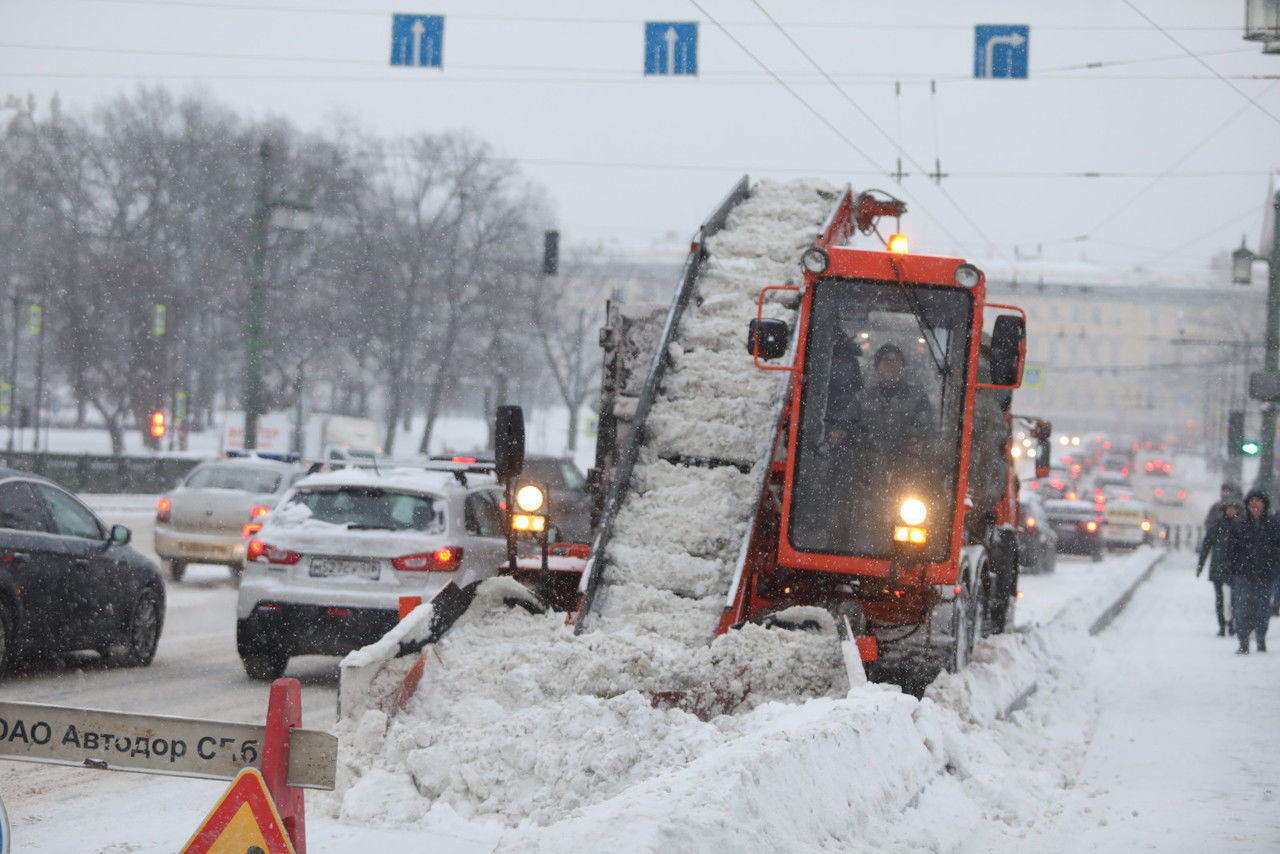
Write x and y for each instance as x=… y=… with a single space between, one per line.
x=682 y=500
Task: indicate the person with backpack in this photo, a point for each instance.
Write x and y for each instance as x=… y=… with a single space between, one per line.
x=1214 y=550
x=1253 y=547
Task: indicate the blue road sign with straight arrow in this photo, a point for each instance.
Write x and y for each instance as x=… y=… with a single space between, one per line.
x=1000 y=50
x=670 y=48
x=417 y=40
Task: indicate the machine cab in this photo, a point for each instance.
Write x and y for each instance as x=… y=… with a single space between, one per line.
x=888 y=364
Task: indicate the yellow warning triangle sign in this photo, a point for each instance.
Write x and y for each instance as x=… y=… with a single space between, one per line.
x=243 y=819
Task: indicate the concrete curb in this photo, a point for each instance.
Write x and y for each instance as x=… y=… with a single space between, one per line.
x=1113 y=610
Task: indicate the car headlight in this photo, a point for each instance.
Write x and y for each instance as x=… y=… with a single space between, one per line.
x=913 y=511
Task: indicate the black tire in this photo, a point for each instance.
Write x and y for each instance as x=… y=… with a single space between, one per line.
x=177 y=569
x=1002 y=583
x=265 y=666
x=143 y=633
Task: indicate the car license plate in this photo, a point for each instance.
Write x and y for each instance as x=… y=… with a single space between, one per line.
x=327 y=567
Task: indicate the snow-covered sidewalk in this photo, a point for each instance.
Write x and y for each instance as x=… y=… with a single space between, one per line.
x=1185 y=751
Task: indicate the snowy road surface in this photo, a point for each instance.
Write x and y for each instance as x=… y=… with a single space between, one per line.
x=1150 y=736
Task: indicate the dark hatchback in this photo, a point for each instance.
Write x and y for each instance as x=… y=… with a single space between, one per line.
x=68 y=582
x=1078 y=525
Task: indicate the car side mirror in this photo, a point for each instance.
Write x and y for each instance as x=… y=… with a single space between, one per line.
x=119 y=535
x=767 y=338
x=1006 y=349
x=1043 y=449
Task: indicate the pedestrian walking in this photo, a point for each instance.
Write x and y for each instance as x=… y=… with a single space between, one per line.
x=1230 y=492
x=1253 y=548
x=1214 y=550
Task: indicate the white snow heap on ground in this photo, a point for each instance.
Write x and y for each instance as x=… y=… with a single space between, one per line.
x=520 y=722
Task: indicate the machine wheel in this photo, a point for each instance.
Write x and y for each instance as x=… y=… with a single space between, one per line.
x=265 y=666
x=177 y=569
x=143 y=634
x=968 y=615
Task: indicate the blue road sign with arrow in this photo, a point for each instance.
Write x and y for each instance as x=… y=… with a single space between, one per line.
x=417 y=40
x=1001 y=50
x=670 y=48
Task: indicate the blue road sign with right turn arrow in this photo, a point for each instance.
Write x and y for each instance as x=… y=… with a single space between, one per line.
x=670 y=48
x=1001 y=50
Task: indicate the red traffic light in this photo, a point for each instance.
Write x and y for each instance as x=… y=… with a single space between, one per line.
x=157 y=424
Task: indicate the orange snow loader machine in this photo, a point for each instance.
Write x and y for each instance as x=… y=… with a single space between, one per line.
x=890 y=499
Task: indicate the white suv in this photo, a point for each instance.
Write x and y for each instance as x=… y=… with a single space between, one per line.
x=326 y=573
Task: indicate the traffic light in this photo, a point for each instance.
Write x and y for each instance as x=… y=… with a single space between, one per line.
x=550 y=253
x=1237 y=444
x=157 y=424
x=1235 y=433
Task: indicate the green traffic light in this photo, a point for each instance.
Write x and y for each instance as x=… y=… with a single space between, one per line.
x=1250 y=449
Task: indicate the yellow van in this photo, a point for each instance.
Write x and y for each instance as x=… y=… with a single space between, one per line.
x=1129 y=524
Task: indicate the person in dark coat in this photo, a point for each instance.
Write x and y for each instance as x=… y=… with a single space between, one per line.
x=1253 y=547
x=1214 y=550
x=1230 y=492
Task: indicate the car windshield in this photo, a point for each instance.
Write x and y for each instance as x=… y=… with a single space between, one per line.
x=238 y=478
x=367 y=508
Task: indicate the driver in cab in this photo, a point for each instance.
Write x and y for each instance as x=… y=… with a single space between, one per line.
x=895 y=413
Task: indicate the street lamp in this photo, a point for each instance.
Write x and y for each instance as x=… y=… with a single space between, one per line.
x=1241 y=269
x=267 y=214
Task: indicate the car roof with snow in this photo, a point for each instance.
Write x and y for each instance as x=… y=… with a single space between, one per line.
x=439 y=478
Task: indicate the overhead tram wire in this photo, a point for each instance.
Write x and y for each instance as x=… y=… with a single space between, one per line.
x=1198 y=59
x=604 y=74
x=923 y=169
x=1173 y=166
x=574 y=19
x=818 y=115
x=1251 y=211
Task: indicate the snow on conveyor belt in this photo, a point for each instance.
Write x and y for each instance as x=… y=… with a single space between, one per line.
x=670 y=561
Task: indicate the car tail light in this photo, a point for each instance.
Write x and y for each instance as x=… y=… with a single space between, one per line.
x=1159 y=492
x=1167 y=468
x=1033 y=484
x=443 y=559
x=1071 y=496
x=258 y=550
x=162 y=510
x=1091 y=526
x=1031 y=521
x=259 y=510
x=1146 y=524
x=467 y=460
x=249 y=529
x=1182 y=493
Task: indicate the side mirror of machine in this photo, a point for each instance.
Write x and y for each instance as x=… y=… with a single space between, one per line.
x=1043 y=449
x=1006 y=348
x=767 y=338
x=508 y=443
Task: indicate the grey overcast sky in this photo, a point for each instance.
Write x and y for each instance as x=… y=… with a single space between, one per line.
x=1175 y=118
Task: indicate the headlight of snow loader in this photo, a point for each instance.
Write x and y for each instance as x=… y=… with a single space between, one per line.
x=913 y=511
x=909 y=535
x=530 y=498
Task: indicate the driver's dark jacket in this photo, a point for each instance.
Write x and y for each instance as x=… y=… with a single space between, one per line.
x=892 y=415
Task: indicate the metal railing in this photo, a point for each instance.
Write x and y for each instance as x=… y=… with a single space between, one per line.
x=102 y=474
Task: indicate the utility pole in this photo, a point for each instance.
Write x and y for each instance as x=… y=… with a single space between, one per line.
x=1241 y=273
x=37 y=316
x=13 y=372
x=1267 y=450
x=252 y=395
